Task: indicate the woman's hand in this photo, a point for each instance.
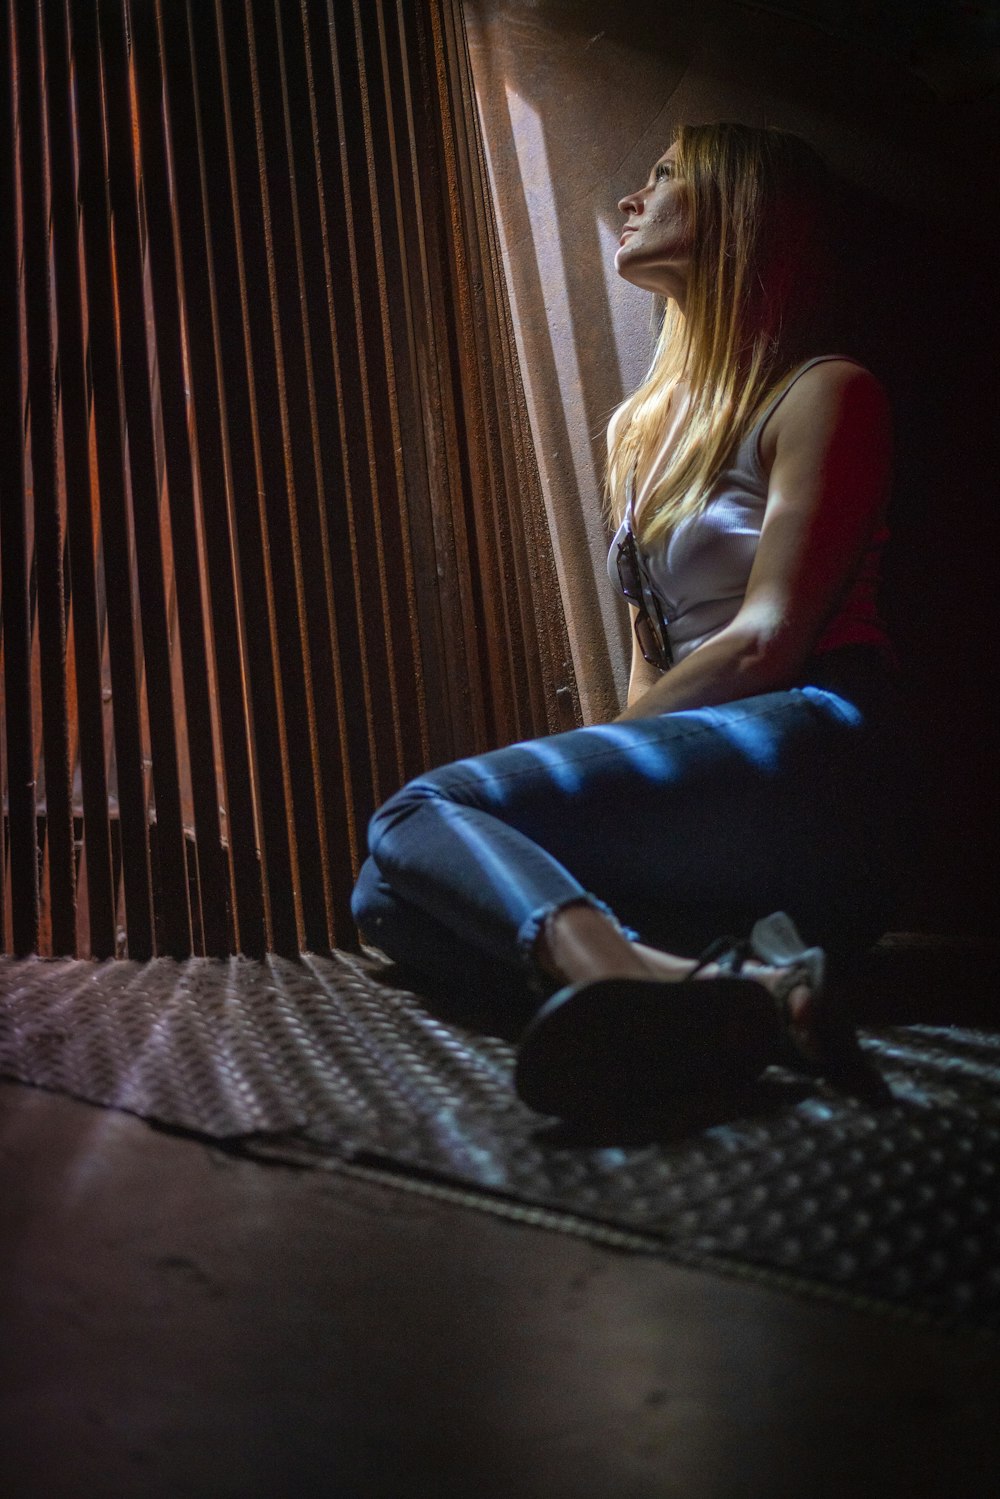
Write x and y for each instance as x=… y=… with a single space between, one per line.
x=827 y=491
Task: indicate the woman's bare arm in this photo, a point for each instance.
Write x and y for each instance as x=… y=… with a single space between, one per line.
x=827 y=490
x=642 y=676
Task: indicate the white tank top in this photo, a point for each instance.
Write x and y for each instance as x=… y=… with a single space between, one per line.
x=700 y=571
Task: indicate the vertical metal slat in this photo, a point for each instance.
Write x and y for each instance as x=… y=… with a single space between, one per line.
x=109 y=431
x=452 y=533
x=270 y=265
x=13 y=532
x=48 y=540
x=212 y=870
x=145 y=489
x=217 y=151
x=76 y=464
x=207 y=421
x=311 y=409
x=344 y=436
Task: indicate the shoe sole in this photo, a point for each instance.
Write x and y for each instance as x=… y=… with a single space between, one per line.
x=617 y=1046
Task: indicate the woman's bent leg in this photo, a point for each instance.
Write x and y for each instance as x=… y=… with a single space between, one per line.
x=470 y=874
x=730 y=811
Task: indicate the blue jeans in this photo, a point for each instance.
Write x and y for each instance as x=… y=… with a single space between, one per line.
x=682 y=826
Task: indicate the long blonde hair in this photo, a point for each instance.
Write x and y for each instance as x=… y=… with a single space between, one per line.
x=762 y=296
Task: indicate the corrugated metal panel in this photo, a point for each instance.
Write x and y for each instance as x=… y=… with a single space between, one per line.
x=272 y=537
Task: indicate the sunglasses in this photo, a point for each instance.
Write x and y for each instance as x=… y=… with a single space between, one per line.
x=650 y=628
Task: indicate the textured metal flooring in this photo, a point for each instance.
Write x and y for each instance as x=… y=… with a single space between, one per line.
x=893 y=1204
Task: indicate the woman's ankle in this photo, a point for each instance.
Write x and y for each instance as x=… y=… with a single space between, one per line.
x=579 y=943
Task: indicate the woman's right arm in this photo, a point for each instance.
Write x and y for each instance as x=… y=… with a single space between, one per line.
x=642 y=675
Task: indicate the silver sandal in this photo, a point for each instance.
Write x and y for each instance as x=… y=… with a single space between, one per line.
x=827 y=1043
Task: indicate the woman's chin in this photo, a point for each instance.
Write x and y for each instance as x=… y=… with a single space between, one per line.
x=624 y=269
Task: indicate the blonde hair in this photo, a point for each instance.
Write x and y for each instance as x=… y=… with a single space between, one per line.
x=762 y=295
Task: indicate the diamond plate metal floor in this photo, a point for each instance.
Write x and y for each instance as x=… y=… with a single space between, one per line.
x=892 y=1205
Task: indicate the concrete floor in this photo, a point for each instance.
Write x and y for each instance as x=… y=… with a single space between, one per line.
x=178 y=1322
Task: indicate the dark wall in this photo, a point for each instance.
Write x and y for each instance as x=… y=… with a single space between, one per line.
x=578 y=98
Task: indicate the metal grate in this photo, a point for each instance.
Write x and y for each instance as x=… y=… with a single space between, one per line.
x=272 y=535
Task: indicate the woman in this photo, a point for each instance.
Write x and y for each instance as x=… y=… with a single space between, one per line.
x=758 y=762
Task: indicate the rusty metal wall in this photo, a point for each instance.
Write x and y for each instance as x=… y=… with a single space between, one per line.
x=271 y=529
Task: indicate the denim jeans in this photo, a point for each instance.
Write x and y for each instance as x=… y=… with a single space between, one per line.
x=683 y=826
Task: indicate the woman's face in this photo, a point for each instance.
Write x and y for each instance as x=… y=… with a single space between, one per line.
x=655 y=247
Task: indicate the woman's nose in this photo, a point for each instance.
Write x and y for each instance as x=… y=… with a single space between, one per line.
x=630 y=204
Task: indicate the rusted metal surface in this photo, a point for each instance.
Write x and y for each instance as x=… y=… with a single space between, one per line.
x=210 y=907
x=22 y=886
x=208 y=427
x=121 y=605
x=244 y=444
x=143 y=479
x=269 y=462
x=50 y=598
x=96 y=893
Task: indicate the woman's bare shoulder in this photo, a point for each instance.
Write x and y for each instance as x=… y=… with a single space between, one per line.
x=819 y=391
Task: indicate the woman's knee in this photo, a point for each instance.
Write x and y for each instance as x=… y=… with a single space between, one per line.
x=451 y=783
x=380 y=916
x=397 y=810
